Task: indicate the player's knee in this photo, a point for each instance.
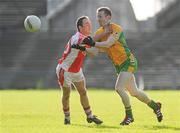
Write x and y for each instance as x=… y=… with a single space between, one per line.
x=83 y=93
x=134 y=93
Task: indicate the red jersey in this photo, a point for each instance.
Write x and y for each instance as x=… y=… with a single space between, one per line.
x=72 y=59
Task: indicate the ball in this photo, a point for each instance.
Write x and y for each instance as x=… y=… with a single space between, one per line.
x=32 y=23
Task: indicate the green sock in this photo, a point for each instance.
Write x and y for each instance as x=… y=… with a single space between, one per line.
x=153 y=105
x=129 y=112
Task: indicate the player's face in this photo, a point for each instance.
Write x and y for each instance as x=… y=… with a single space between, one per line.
x=86 y=27
x=102 y=18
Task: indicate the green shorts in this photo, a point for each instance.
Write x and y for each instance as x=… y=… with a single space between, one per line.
x=127 y=66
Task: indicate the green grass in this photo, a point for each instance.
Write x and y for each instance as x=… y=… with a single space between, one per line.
x=40 y=112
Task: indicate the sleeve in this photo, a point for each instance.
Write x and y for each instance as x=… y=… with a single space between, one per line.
x=118 y=29
x=122 y=38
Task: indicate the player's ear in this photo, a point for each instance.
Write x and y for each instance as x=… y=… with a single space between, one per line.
x=80 y=27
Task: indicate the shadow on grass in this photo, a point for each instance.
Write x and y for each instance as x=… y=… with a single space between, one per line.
x=157 y=127
x=97 y=126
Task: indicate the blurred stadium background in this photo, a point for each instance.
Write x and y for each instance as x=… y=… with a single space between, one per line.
x=28 y=60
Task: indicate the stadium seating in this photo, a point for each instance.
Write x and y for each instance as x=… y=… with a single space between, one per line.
x=159 y=58
x=37 y=62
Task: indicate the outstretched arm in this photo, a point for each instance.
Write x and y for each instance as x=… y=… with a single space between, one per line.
x=90 y=51
x=105 y=44
x=109 y=42
x=98 y=36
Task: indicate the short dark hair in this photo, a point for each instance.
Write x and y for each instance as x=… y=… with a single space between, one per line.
x=106 y=10
x=79 y=21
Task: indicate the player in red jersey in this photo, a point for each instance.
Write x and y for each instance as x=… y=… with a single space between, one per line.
x=69 y=70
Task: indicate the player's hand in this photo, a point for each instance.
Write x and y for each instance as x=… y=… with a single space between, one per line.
x=76 y=46
x=89 y=41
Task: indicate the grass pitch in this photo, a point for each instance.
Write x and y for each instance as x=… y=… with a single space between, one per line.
x=38 y=111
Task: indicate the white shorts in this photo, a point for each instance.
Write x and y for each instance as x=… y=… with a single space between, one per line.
x=65 y=79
